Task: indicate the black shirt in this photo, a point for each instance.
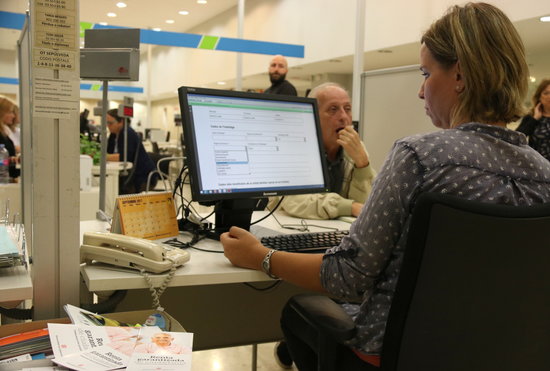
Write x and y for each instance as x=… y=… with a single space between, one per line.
x=284 y=88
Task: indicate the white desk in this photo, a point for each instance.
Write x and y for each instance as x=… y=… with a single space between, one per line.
x=15 y=284
x=207 y=295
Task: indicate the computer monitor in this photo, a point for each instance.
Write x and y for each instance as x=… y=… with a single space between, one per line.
x=242 y=147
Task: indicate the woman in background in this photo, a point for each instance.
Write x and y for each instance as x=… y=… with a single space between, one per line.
x=7 y=117
x=536 y=125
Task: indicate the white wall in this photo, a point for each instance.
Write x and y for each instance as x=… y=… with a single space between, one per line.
x=325 y=27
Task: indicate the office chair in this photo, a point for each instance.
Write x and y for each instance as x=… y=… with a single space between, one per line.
x=473 y=292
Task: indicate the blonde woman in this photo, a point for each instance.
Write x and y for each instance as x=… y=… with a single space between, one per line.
x=475 y=77
x=7 y=117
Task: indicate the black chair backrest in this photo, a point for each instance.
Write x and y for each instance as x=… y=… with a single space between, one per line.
x=474 y=290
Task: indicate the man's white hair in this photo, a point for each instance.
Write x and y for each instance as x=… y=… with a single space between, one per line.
x=314 y=93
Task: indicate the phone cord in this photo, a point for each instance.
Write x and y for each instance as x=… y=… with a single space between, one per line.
x=157 y=292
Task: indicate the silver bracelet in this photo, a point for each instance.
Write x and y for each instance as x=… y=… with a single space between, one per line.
x=266 y=264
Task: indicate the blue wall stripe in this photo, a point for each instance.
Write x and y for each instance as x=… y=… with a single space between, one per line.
x=260 y=47
x=12 y=20
x=186 y=40
x=9 y=80
x=123 y=89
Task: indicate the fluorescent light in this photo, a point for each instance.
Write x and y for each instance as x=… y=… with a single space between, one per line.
x=157 y=29
x=183 y=12
x=103 y=23
x=121 y=5
x=111 y=15
x=201 y=1
x=545 y=18
x=221 y=83
x=169 y=21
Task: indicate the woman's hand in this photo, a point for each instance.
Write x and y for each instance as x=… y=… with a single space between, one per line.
x=243 y=249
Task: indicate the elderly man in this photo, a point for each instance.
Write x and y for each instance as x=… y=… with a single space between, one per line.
x=278 y=69
x=349 y=170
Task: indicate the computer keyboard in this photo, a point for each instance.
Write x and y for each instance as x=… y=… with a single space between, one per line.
x=316 y=242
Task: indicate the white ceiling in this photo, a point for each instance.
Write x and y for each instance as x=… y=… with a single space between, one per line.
x=150 y=14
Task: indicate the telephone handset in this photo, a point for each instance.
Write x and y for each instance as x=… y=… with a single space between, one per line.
x=130 y=252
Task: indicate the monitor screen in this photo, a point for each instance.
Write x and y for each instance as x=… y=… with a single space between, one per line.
x=248 y=145
x=242 y=145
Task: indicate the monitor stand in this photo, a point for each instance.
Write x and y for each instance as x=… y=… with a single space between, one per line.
x=236 y=212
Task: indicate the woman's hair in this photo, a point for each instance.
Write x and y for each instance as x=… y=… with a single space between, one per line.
x=114 y=113
x=536 y=97
x=6 y=106
x=491 y=59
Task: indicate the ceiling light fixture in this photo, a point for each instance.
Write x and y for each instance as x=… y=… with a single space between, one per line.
x=221 y=82
x=157 y=29
x=183 y=12
x=103 y=23
x=112 y=15
x=121 y=5
x=532 y=78
x=201 y=1
x=545 y=18
x=169 y=21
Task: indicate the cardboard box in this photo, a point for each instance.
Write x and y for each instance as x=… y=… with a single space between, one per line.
x=133 y=317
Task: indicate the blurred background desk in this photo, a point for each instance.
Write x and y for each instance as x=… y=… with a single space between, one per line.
x=112 y=172
x=221 y=304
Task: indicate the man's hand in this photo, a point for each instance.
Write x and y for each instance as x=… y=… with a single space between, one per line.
x=242 y=248
x=349 y=139
x=356 y=208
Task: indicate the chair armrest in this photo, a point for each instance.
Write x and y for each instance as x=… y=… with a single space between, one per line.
x=325 y=315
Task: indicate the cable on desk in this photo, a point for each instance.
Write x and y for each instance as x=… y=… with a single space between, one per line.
x=270 y=212
x=303 y=226
x=270 y=287
x=106 y=306
x=17 y=313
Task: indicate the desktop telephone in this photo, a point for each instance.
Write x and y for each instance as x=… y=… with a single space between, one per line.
x=130 y=252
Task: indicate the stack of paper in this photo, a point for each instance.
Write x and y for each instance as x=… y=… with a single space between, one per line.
x=98 y=348
x=94 y=342
x=11 y=247
x=31 y=342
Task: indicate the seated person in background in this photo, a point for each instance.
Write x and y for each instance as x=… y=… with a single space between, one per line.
x=466 y=58
x=536 y=124
x=142 y=164
x=349 y=171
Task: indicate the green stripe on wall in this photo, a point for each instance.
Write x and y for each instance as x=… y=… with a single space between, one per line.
x=208 y=42
x=85 y=26
x=96 y=87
